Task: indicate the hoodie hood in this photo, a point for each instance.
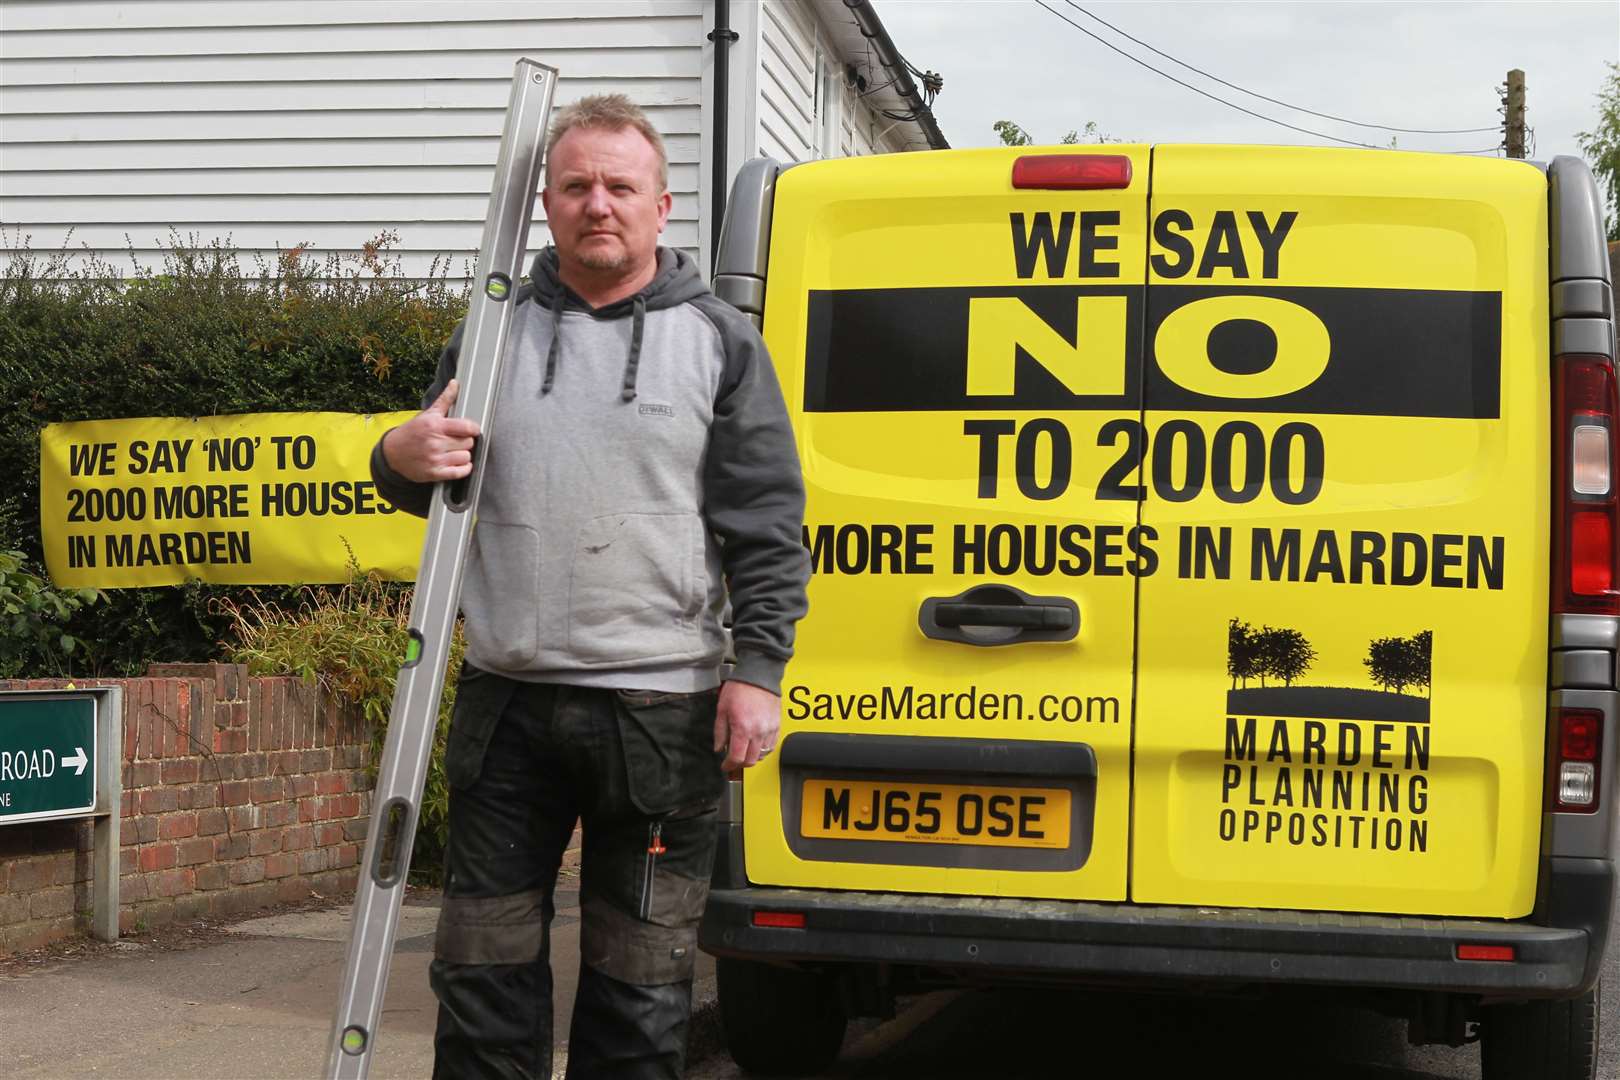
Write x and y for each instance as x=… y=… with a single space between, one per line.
x=675 y=282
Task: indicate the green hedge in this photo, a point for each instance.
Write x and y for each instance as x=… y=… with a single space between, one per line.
x=211 y=331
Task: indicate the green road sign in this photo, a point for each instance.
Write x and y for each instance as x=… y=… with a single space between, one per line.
x=47 y=756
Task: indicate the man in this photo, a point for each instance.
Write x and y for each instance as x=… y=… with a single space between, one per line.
x=641 y=472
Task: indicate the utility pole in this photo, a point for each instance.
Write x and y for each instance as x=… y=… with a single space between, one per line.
x=1513 y=115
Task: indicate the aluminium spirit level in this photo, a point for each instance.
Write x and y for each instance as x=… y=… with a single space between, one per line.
x=413 y=719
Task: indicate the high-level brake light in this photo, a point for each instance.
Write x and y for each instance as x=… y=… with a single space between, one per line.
x=1072 y=172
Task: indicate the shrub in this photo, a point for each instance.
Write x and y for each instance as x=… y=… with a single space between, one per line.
x=80 y=340
x=351 y=641
x=33 y=622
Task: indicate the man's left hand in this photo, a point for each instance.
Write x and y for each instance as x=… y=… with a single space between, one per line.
x=745 y=724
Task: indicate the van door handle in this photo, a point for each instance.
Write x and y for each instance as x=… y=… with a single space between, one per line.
x=998 y=615
x=1033 y=616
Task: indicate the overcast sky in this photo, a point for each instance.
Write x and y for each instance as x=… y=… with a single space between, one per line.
x=1411 y=65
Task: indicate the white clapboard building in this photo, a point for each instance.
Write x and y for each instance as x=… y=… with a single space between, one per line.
x=274 y=123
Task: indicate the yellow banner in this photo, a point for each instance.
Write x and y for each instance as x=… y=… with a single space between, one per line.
x=261 y=499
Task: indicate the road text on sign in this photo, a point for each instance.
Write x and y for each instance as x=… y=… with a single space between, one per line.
x=47 y=757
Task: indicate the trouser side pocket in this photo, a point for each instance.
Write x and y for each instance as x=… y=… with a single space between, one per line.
x=480 y=699
x=668 y=741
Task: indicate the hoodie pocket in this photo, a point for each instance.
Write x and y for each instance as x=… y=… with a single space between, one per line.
x=638 y=587
x=502 y=587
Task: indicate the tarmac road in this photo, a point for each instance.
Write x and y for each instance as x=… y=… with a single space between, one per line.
x=252 y=1000
x=1106 y=1035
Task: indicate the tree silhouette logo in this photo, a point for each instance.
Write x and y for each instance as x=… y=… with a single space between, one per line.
x=1396 y=663
x=1278 y=658
x=1281 y=653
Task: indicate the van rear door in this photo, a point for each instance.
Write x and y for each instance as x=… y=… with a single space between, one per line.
x=1343 y=657
x=955 y=353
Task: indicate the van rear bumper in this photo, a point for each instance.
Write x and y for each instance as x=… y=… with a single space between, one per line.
x=1087 y=940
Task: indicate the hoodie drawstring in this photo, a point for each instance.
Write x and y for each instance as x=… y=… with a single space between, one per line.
x=634 y=361
x=556 y=343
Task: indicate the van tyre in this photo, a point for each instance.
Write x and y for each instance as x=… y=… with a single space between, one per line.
x=779 y=1021
x=1541 y=1040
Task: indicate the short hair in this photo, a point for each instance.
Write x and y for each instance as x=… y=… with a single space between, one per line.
x=609 y=112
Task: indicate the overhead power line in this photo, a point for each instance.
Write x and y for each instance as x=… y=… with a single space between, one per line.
x=1275 y=101
x=1197 y=90
x=1223 y=101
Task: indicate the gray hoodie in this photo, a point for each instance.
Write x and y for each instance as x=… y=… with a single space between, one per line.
x=641 y=468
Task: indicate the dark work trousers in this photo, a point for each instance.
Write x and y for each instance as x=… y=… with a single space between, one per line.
x=525 y=761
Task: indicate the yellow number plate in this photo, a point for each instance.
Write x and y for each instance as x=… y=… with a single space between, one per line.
x=935 y=813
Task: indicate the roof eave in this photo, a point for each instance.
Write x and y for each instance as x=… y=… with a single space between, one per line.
x=858 y=34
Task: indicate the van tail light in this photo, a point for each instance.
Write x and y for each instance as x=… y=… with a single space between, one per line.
x=1584 y=476
x=1072 y=172
x=1573 y=785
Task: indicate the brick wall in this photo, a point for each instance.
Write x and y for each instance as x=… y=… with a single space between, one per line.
x=239 y=792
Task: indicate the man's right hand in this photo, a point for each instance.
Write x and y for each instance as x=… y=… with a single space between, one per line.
x=432 y=445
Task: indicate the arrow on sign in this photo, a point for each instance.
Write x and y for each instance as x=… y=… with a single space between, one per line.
x=78 y=760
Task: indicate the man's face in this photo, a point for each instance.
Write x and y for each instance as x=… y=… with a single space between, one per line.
x=603 y=200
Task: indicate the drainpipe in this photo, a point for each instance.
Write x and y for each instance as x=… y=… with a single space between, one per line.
x=723 y=36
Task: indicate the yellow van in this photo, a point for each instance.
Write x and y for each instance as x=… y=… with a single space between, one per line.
x=1215 y=582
